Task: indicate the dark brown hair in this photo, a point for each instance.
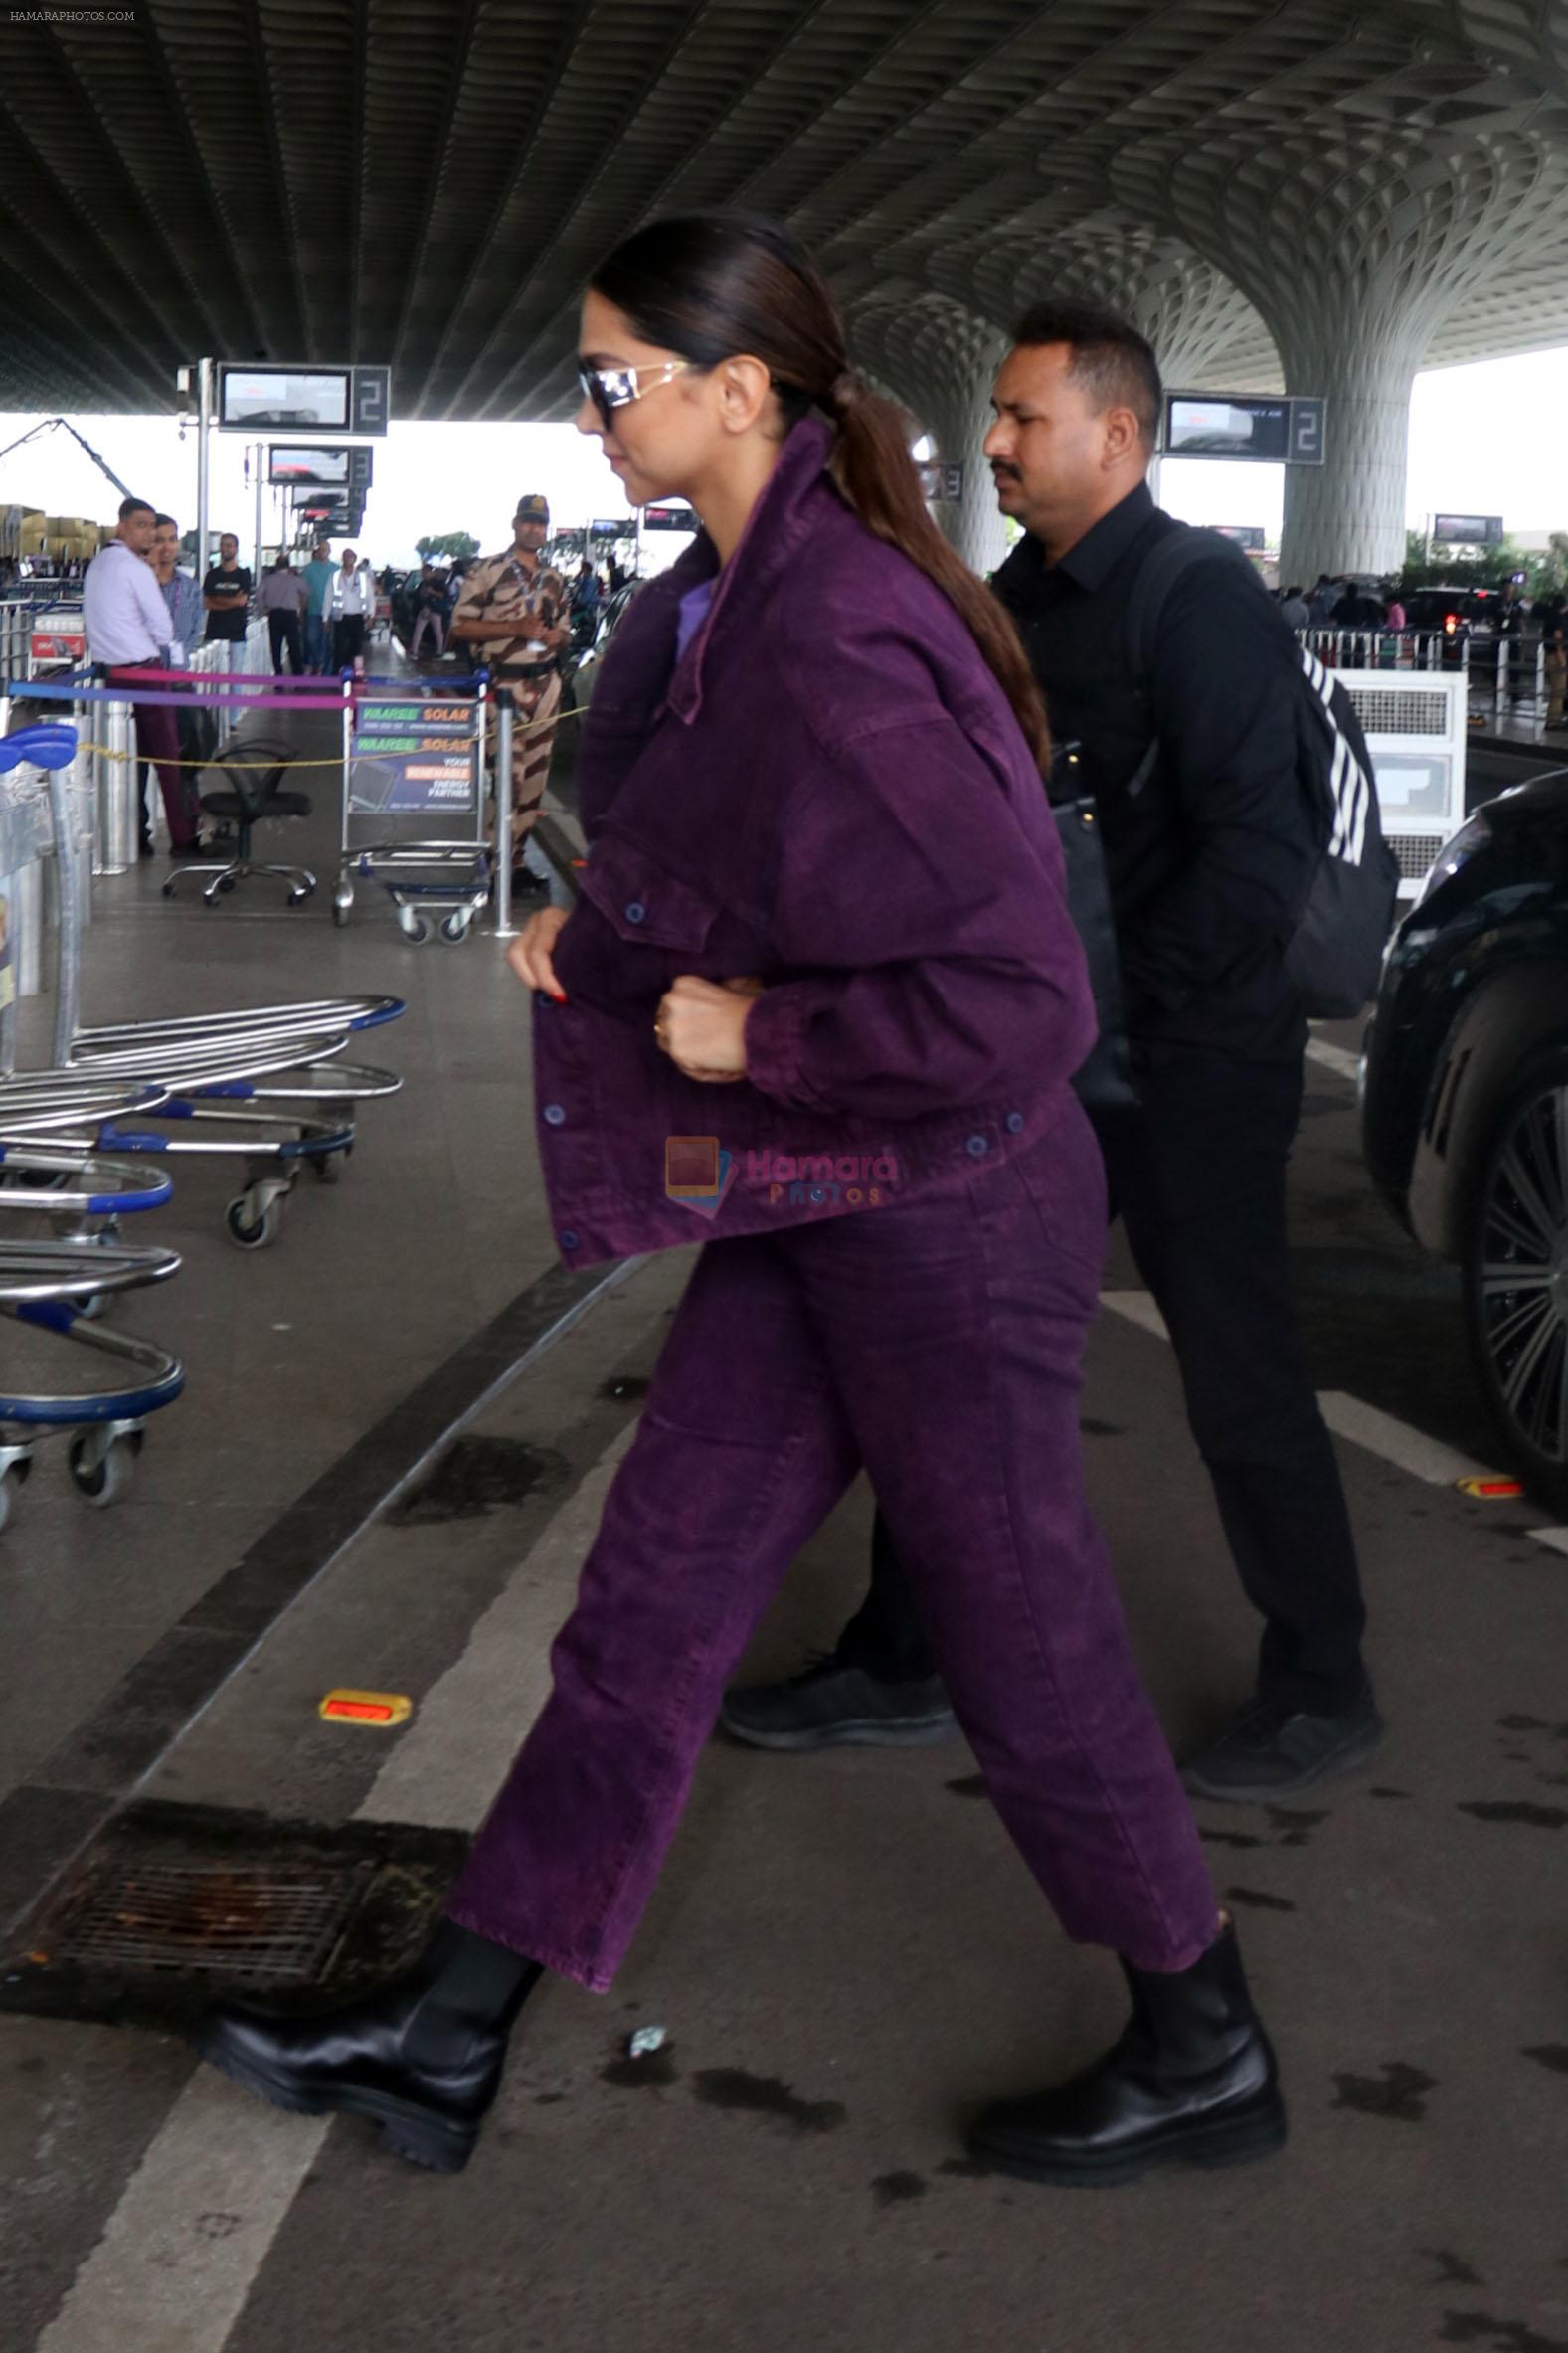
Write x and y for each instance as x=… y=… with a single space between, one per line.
x=713 y=284
x=1113 y=363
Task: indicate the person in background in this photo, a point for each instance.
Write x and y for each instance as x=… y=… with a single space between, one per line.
x=283 y=598
x=1554 y=646
x=180 y=592
x=513 y=612
x=1295 y=611
x=1209 y=852
x=318 y=576
x=430 y=601
x=350 y=605
x=225 y=593
x=129 y=628
x=1395 y=618
x=183 y=596
x=1323 y=600
x=585 y=590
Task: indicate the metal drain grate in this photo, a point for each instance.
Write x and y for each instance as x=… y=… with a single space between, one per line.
x=272 y=1920
x=173 y=1906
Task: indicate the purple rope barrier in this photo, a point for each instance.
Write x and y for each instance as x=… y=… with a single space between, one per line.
x=37 y=689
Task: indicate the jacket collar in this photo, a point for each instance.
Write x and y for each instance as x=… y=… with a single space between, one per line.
x=775 y=529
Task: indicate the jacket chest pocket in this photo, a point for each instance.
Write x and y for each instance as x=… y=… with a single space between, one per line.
x=644 y=902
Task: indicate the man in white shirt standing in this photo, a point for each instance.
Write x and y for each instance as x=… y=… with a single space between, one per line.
x=349 y=609
x=129 y=628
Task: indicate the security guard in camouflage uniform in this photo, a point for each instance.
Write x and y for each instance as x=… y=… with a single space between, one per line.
x=515 y=612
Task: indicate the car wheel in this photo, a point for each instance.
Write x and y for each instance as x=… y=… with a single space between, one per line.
x=1515 y=1269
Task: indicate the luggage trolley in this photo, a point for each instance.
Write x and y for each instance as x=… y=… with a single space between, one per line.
x=413 y=750
x=48 y=1284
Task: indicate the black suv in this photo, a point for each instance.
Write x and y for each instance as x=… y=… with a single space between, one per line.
x=1465 y=1106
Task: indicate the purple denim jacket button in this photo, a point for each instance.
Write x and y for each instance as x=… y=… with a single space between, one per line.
x=554 y=1116
x=977 y=1146
x=569 y=1239
x=636 y=912
x=1015 y=1123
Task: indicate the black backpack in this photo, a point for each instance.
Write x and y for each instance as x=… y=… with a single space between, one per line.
x=1335 y=951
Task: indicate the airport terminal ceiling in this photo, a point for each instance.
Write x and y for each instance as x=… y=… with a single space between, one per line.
x=429 y=182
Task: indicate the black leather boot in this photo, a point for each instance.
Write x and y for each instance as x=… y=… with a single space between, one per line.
x=422 y=2057
x=1192 y=2081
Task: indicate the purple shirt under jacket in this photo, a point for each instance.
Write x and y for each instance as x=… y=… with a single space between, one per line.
x=830 y=790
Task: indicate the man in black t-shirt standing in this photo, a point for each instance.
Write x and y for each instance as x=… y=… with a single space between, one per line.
x=226 y=594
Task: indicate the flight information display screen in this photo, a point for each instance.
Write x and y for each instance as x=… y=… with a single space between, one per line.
x=1235 y=426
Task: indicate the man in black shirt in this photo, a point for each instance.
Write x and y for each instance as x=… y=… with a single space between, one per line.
x=1209 y=848
x=226 y=594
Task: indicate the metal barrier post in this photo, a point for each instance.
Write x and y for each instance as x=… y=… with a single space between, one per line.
x=118 y=783
x=67 y=940
x=204 y=418
x=504 y=724
x=27 y=924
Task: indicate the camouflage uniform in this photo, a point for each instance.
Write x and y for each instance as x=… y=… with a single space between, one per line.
x=514 y=605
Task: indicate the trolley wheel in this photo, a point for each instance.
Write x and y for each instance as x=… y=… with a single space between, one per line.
x=252 y=1226
x=226 y=883
x=168 y=890
x=101 y=1473
x=456 y=926
x=415 y=930
x=11 y=1487
x=328 y=1167
x=90 y=1309
x=342 y=907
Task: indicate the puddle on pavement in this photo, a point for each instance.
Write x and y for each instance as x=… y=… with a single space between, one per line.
x=478 y=1476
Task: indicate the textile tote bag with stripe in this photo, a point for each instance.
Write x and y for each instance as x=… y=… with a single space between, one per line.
x=1334 y=953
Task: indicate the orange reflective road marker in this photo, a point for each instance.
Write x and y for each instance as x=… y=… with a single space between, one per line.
x=1490 y=1491
x=377 y=1708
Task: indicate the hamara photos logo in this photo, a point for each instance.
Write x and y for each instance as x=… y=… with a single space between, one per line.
x=698 y=1172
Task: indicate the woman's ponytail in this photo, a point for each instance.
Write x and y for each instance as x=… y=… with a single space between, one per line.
x=880 y=482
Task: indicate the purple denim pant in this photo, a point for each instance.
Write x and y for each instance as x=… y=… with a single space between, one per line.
x=937 y=1345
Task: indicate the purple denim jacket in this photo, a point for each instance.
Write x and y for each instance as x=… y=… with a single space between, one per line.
x=828 y=790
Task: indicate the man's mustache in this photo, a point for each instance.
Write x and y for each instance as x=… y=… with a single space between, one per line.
x=1001 y=472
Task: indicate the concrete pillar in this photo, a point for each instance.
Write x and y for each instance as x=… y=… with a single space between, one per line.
x=1353 y=245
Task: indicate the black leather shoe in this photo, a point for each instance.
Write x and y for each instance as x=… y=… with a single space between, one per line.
x=1273 y=1750
x=831 y=1706
x=423 y=2057
x=1192 y=2082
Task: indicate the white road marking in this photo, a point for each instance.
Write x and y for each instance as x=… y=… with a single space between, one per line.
x=454 y=1755
x=1366 y=1426
x=1338 y=1059
x=1410 y=1450
x=175 y=2264
x=196 y=2221
x=1554 y=1538
x=1136 y=1307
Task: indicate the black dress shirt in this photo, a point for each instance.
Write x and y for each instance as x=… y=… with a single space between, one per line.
x=1210 y=860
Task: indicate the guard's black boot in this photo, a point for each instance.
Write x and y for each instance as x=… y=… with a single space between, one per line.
x=422 y=2057
x=1192 y=2082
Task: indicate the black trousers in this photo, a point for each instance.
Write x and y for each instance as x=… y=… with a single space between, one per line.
x=283 y=631
x=1197 y=1174
x=348 y=642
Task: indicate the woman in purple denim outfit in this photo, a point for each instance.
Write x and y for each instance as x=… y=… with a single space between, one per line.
x=822 y=996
